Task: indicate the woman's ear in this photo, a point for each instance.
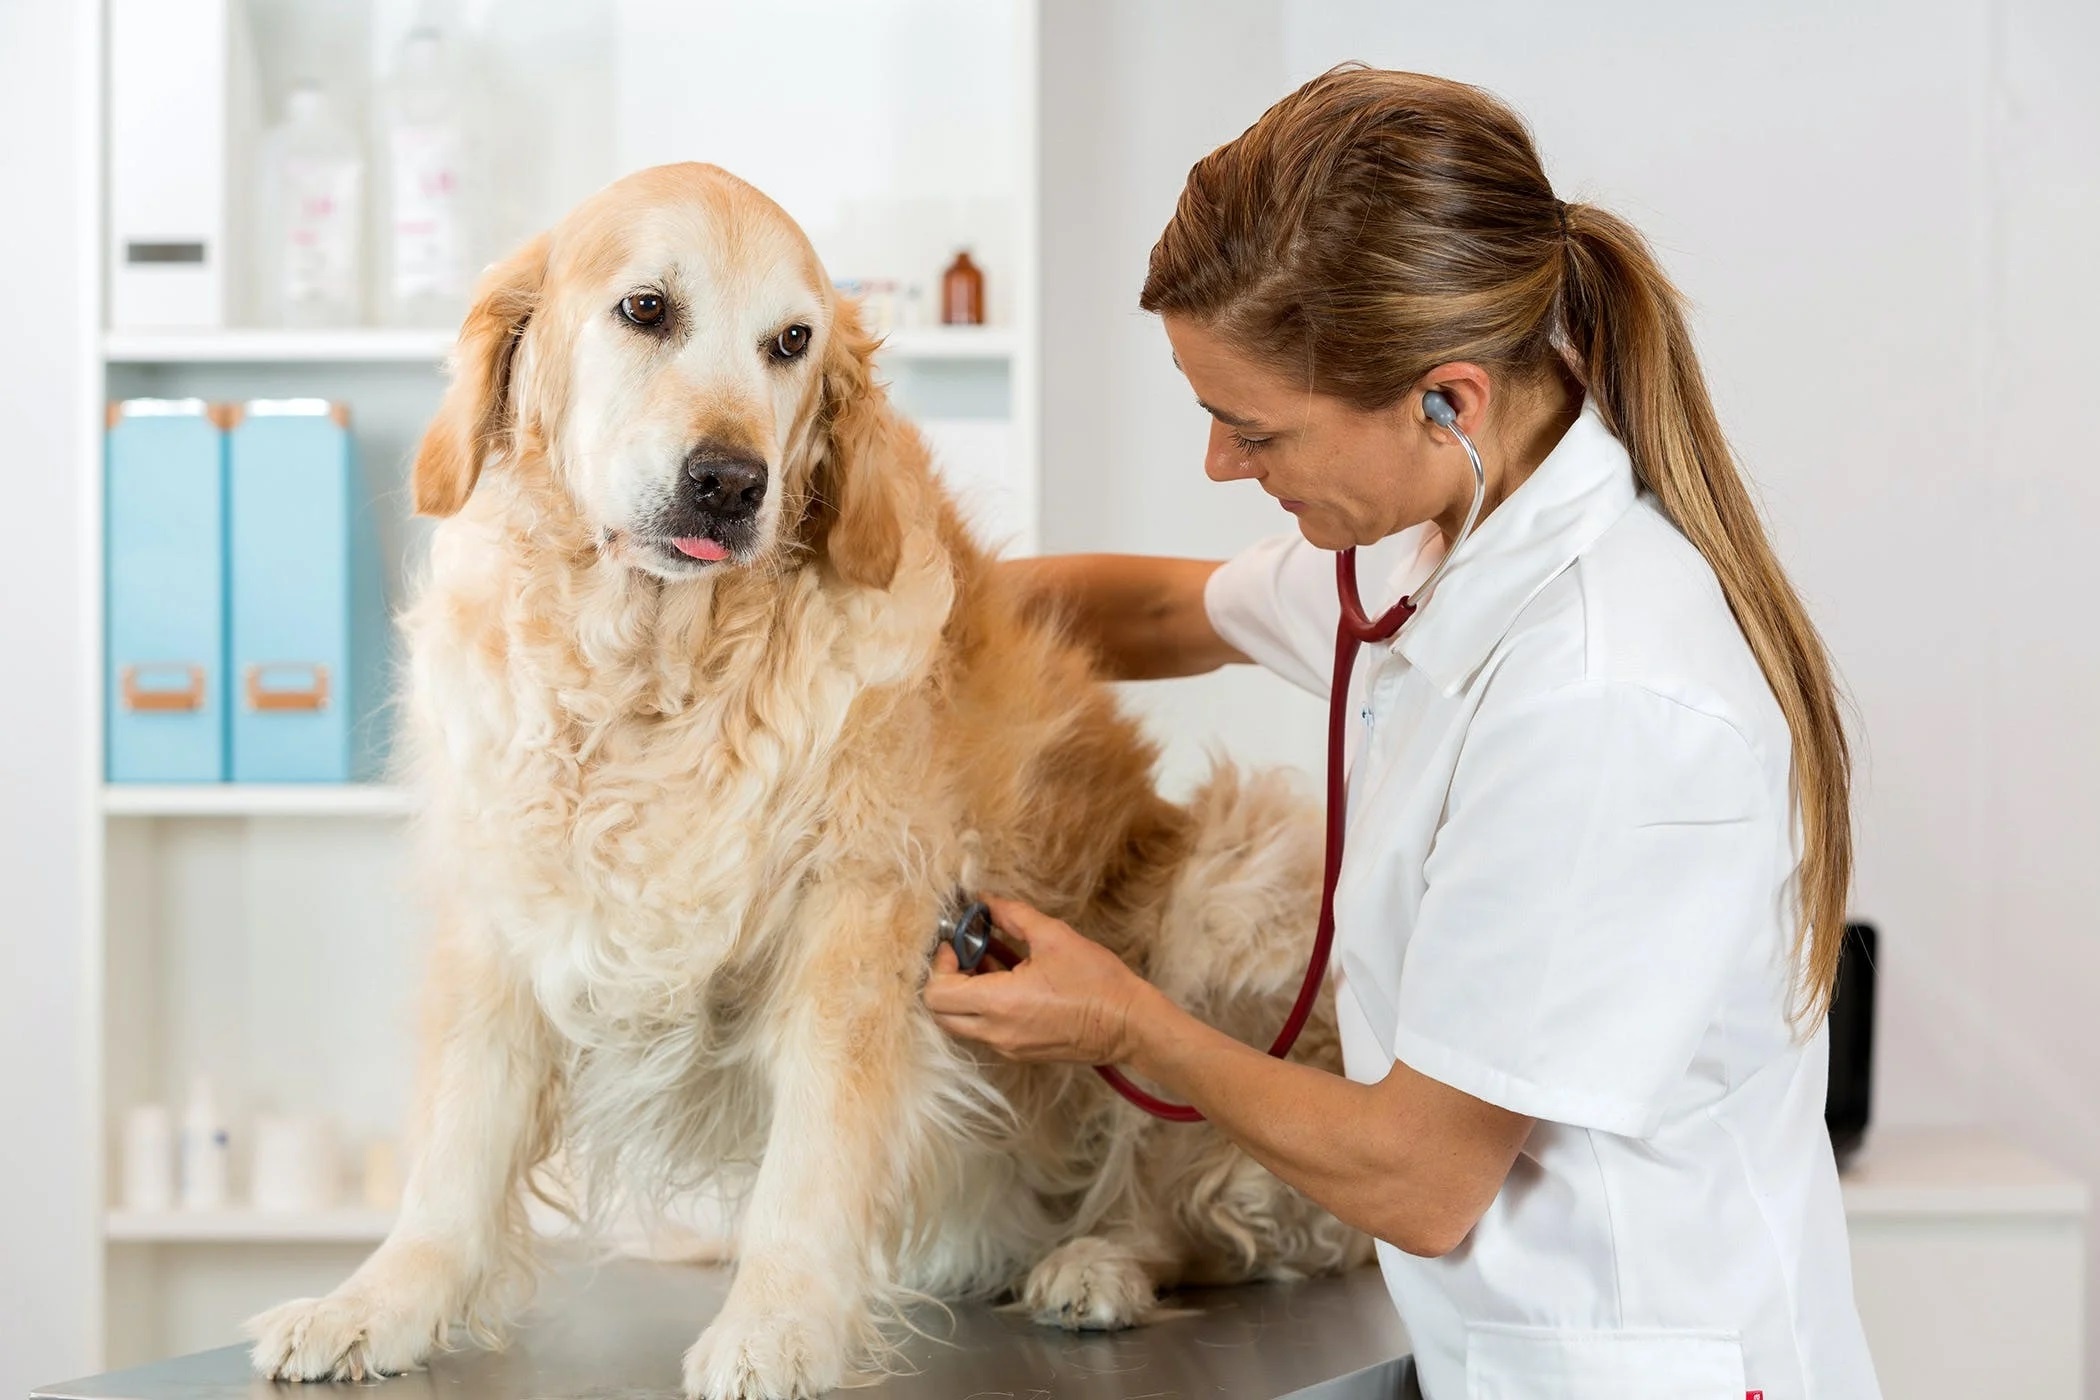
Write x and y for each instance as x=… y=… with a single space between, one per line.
x=1466 y=386
x=474 y=417
x=860 y=518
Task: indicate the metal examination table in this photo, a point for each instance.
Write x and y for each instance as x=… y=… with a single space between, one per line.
x=618 y=1332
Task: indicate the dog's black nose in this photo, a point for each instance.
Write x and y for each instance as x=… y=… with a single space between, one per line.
x=728 y=484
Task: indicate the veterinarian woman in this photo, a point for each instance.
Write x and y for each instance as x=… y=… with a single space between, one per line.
x=1597 y=833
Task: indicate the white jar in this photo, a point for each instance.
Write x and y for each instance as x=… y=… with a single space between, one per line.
x=297 y=1166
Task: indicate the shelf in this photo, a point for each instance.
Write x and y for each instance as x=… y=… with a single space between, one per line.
x=347 y=1225
x=949 y=343
x=1905 y=1173
x=375 y=345
x=356 y=345
x=256 y=800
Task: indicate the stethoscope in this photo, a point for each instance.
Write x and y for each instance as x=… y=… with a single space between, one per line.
x=968 y=926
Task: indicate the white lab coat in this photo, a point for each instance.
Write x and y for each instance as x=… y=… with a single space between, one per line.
x=1568 y=891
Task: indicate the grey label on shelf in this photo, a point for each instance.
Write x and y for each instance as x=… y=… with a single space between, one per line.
x=136 y=253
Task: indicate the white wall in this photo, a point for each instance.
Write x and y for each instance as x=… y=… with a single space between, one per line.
x=48 y=1253
x=1883 y=213
x=2016 y=991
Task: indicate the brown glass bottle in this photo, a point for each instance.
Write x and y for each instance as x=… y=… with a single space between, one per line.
x=962 y=292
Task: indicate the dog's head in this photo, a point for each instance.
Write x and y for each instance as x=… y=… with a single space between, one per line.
x=674 y=357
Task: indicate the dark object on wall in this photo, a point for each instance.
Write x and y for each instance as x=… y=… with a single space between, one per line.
x=1845 y=1104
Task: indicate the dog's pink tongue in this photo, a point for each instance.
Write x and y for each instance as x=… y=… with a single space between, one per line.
x=700 y=548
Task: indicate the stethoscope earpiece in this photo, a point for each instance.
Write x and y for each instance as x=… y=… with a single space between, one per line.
x=1438 y=408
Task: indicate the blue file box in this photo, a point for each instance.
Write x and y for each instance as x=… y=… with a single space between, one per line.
x=308 y=630
x=164 y=533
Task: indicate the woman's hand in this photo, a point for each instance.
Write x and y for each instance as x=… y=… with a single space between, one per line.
x=1409 y=1159
x=1070 y=999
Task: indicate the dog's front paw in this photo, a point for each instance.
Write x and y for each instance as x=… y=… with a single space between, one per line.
x=1089 y=1284
x=765 y=1354
x=343 y=1337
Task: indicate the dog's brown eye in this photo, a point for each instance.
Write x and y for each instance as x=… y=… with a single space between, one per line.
x=643 y=308
x=792 y=342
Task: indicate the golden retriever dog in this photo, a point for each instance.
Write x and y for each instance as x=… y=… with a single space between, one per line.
x=714 y=703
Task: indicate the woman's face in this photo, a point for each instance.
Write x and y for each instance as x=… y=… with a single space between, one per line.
x=1351 y=477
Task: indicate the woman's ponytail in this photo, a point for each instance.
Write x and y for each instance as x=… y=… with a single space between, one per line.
x=1625 y=328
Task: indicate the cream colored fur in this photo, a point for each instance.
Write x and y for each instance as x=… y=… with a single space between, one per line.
x=689 y=830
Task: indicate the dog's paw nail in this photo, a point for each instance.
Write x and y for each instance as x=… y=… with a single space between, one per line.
x=337 y=1338
x=1089 y=1284
x=769 y=1358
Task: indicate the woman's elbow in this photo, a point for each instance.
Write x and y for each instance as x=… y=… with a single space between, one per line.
x=1427 y=1230
x=1435 y=1218
x=1442 y=1166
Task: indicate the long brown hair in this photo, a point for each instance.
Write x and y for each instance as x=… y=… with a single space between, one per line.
x=1373 y=225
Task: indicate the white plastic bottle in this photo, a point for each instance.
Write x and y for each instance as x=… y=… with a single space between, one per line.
x=427 y=240
x=314 y=212
x=206 y=1149
x=149 y=1158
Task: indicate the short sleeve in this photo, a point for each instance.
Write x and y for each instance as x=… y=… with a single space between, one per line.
x=1275 y=601
x=1606 y=860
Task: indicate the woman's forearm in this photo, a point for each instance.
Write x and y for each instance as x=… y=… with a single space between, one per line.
x=1142 y=616
x=1409 y=1160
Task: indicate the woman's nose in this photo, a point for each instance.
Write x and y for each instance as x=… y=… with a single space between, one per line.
x=1223 y=459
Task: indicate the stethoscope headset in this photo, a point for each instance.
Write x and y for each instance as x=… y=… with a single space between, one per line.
x=968 y=929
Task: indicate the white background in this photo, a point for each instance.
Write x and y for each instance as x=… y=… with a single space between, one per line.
x=1884 y=214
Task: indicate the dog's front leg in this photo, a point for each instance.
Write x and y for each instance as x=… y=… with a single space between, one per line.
x=798 y=1317
x=482 y=1117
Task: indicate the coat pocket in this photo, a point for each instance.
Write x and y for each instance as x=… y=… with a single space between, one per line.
x=1533 y=1363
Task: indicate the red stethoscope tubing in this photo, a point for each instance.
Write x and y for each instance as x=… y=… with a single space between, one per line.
x=1351 y=632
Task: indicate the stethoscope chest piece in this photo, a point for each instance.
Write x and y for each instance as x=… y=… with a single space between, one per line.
x=967 y=928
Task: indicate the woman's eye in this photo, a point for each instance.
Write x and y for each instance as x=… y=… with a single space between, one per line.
x=642 y=309
x=1248 y=444
x=791 y=343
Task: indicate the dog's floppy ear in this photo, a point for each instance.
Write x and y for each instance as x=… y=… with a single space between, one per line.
x=475 y=414
x=860 y=513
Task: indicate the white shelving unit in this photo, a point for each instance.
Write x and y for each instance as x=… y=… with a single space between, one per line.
x=374 y=345
x=359 y=345
x=256 y=800
x=345 y=1226
x=267 y=935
